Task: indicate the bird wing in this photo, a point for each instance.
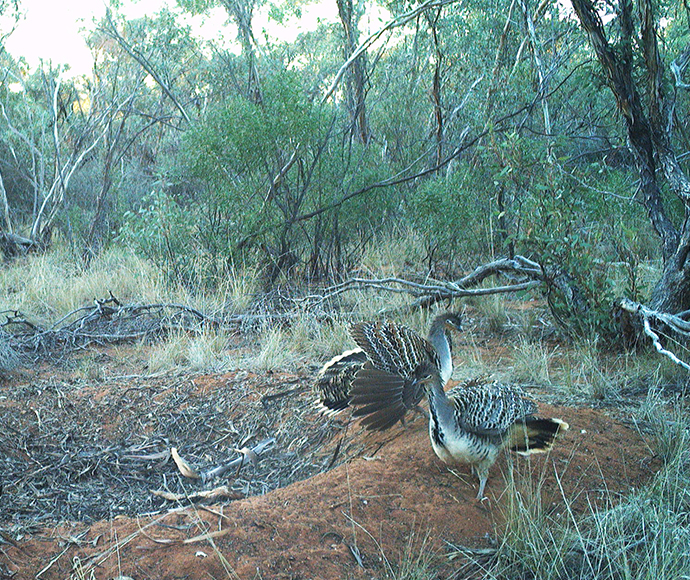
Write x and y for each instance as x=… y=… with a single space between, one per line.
x=392 y=347
x=332 y=384
x=489 y=408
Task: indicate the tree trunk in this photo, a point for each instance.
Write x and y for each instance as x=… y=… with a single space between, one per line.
x=649 y=134
x=5 y=206
x=432 y=21
x=672 y=291
x=355 y=85
x=242 y=11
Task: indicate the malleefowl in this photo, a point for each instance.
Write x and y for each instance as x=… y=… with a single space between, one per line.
x=471 y=423
x=381 y=410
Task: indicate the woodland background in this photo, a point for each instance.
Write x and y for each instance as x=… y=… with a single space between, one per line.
x=489 y=129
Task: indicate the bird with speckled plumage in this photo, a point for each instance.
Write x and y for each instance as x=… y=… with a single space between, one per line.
x=383 y=407
x=472 y=422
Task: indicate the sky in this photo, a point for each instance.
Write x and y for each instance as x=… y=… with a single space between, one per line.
x=52 y=29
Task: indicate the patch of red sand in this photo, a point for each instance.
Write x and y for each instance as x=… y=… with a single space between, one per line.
x=367 y=509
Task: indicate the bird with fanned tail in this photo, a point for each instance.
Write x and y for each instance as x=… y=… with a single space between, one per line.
x=471 y=423
x=333 y=384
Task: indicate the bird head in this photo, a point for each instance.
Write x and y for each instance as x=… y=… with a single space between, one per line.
x=452 y=321
x=428 y=375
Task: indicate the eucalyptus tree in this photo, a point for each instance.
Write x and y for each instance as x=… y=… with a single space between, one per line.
x=350 y=12
x=644 y=55
x=127 y=54
x=48 y=134
x=241 y=13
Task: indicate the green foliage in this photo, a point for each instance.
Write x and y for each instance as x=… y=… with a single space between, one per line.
x=237 y=137
x=453 y=217
x=259 y=175
x=264 y=165
x=197 y=6
x=162 y=230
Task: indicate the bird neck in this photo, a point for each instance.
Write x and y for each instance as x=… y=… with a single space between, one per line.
x=440 y=407
x=439 y=339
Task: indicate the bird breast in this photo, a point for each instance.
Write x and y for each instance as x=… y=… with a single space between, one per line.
x=455 y=446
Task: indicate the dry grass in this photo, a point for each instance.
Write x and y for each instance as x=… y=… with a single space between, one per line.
x=583 y=377
x=394 y=253
x=51 y=285
x=533 y=361
x=208 y=351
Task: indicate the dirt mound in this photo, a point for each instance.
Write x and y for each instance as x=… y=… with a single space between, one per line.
x=388 y=494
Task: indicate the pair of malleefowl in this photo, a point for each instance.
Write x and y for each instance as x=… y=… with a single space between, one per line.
x=392 y=370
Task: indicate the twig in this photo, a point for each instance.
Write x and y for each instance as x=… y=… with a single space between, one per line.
x=221 y=469
x=109 y=322
x=53 y=561
x=266 y=398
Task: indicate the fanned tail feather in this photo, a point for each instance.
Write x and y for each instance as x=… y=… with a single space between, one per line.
x=378 y=396
x=333 y=381
x=534 y=435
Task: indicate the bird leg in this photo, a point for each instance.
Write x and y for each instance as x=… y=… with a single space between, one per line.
x=417 y=410
x=482 y=472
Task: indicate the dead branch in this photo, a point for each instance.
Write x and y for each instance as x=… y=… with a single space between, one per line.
x=674 y=322
x=219 y=493
x=524 y=274
x=108 y=321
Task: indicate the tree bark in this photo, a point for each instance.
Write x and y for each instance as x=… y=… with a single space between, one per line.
x=649 y=134
x=5 y=206
x=355 y=87
x=241 y=11
x=436 y=87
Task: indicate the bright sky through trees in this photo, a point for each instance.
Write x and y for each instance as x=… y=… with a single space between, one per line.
x=54 y=31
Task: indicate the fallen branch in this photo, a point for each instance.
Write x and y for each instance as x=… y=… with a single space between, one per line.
x=108 y=321
x=222 y=492
x=673 y=321
x=525 y=275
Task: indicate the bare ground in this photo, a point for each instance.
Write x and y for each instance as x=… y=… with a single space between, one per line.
x=80 y=457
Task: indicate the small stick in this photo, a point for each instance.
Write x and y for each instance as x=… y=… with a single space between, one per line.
x=221 y=469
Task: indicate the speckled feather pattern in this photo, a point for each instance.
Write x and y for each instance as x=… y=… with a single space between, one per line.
x=392 y=347
x=489 y=408
x=332 y=384
x=470 y=423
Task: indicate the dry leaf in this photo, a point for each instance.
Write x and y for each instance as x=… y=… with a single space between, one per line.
x=184 y=467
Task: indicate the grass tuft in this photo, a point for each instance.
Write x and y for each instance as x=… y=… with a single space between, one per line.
x=532 y=362
x=208 y=351
x=51 y=285
x=642 y=536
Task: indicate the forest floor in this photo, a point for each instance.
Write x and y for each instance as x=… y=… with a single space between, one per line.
x=86 y=442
